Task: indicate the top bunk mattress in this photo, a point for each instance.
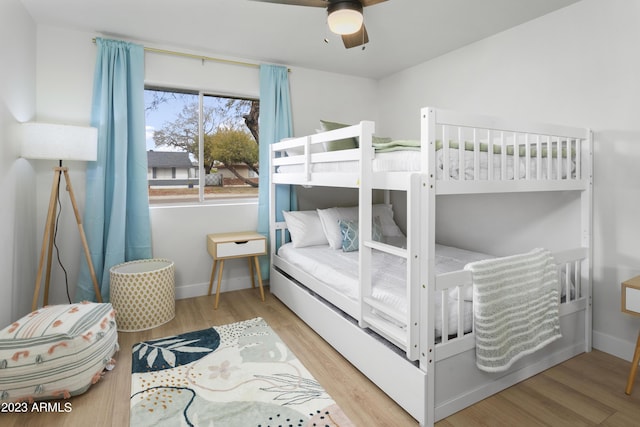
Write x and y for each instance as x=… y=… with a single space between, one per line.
x=410 y=161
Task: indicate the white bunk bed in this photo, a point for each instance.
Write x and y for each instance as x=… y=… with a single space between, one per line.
x=433 y=375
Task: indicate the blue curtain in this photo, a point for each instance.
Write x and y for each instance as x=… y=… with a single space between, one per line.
x=116 y=215
x=275 y=123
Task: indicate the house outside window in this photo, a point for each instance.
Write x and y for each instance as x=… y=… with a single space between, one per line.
x=200 y=147
x=169 y=170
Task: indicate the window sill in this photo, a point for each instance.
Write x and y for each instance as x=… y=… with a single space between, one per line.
x=222 y=201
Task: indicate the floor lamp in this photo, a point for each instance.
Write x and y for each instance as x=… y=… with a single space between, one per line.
x=59 y=142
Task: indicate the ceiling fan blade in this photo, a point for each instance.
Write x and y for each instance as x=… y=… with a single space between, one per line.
x=366 y=3
x=317 y=3
x=358 y=38
x=312 y=3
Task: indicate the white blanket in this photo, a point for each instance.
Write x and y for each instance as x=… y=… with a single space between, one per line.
x=410 y=161
x=516 y=307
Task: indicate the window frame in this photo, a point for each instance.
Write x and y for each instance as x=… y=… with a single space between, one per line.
x=201 y=199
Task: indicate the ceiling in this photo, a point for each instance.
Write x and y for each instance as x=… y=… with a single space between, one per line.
x=402 y=33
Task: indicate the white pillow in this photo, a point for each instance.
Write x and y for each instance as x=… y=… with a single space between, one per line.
x=330 y=218
x=305 y=228
x=389 y=226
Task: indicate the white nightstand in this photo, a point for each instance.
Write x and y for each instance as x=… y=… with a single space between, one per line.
x=248 y=244
x=631 y=305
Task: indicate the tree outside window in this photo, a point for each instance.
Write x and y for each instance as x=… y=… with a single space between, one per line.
x=229 y=162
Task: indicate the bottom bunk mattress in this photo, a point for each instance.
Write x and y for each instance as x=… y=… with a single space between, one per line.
x=339 y=270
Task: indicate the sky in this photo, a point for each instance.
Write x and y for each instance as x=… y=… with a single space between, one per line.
x=155 y=119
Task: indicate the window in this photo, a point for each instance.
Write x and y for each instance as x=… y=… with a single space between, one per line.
x=200 y=146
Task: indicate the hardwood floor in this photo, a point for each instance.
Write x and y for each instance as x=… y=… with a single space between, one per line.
x=587 y=390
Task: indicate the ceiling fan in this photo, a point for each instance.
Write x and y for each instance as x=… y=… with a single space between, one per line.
x=343 y=16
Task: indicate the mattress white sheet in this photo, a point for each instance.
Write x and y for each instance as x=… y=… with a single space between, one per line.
x=339 y=270
x=410 y=161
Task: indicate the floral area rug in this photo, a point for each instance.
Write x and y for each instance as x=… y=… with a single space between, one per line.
x=236 y=375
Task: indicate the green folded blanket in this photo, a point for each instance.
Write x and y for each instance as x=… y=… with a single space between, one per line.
x=383 y=145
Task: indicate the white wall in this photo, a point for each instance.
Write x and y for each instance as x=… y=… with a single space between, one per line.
x=578 y=66
x=17 y=104
x=65 y=71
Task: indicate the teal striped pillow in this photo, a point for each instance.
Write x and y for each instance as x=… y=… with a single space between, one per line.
x=349 y=231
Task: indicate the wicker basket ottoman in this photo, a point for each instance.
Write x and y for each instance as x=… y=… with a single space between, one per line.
x=143 y=293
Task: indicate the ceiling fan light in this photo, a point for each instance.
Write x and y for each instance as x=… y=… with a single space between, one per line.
x=345 y=17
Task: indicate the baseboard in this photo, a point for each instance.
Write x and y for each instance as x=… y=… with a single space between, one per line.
x=614 y=346
x=190 y=291
x=200 y=289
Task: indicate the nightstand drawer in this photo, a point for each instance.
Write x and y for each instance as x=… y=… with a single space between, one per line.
x=631 y=296
x=240 y=248
x=631 y=300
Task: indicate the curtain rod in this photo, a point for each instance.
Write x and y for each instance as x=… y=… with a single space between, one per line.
x=200 y=57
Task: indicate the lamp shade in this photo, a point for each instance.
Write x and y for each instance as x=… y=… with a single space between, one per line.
x=345 y=17
x=58 y=142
